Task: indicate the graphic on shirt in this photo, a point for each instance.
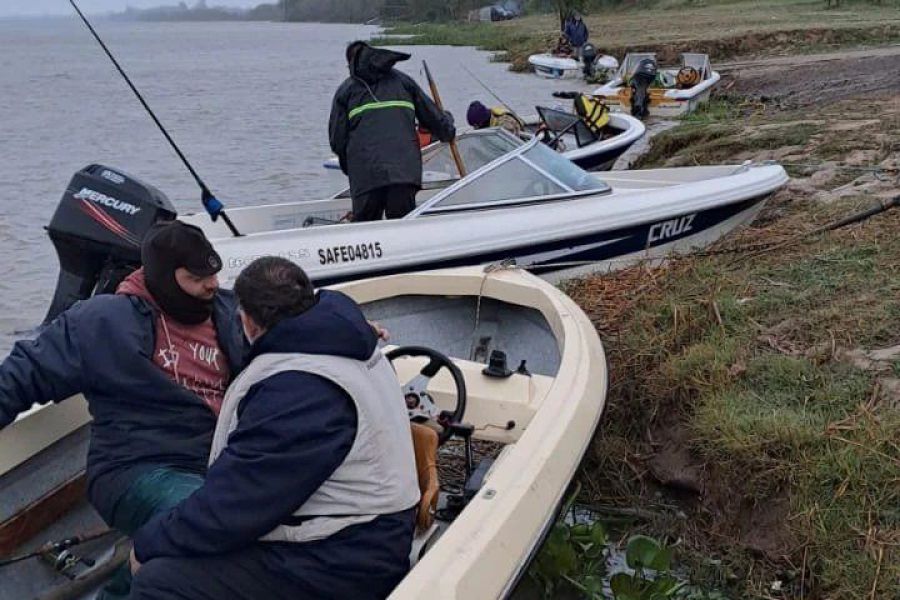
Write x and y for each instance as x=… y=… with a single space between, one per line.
x=190 y=355
x=206 y=354
x=169 y=357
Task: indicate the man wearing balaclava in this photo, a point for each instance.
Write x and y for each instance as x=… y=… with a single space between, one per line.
x=153 y=362
x=372 y=129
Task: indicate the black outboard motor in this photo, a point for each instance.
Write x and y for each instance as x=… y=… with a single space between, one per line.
x=589 y=58
x=643 y=77
x=97 y=230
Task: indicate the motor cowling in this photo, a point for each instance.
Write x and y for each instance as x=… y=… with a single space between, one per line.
x=641 y=80
x=97 y=231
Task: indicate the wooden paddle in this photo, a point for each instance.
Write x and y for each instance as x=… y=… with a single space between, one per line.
x=457 y=158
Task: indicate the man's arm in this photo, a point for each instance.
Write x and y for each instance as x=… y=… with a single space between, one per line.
x=45 y=369
x=295 y=429
x=438 y=122
x=339 y=128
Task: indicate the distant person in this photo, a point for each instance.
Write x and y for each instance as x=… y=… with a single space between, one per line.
x=372 y=130
x=576 y=32
x=480 y=116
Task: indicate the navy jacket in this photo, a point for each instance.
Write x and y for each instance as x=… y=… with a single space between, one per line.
x=576 y=32
x=294 y=430
x=102 y=347
x=372 y=127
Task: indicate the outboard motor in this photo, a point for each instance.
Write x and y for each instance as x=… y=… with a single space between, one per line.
x=589 y=58
x=643 y=77
x=97 y=230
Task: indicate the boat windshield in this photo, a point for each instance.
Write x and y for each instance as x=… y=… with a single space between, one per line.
x=531 y=173
x=477 y=148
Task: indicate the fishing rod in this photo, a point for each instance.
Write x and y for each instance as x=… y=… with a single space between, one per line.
x=457 y=158
x=213 y=205
x=491 y=92
x=57 y=547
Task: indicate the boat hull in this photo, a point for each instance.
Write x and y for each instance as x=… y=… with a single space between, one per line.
x=663 y=103
x=554 y=67
x=596 y=232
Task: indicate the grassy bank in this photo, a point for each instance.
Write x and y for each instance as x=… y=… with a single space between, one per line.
x=754 y=413
x=722 y=29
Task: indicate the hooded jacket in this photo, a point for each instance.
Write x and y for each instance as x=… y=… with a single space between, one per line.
x=103 y=347
x=295 y=430
x=576 y=31
x=372 y=128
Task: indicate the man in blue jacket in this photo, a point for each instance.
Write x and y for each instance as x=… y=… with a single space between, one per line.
x=311 y=490
x=576 y=32
x=153 y=362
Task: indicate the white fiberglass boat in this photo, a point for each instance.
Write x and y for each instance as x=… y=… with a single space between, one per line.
x=518 y=435
x=669 y=97
x=521 y=202
x=586 y=149
x=551 y=66
x=582 y=146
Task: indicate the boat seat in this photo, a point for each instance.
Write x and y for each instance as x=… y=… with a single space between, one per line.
x=425 y=446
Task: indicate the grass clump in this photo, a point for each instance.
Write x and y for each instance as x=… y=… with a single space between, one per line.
x=732 y=368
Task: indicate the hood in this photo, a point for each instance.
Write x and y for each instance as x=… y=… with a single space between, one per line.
x=370 y=64
x=334 y=326
x=135 y=285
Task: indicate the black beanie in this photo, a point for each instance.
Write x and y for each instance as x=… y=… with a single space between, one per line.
x=167 y=247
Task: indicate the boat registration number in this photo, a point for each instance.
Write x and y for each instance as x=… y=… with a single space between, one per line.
x=350 y=253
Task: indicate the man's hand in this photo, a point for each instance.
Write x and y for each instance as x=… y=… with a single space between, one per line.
x=133 y=562
x=383 y=334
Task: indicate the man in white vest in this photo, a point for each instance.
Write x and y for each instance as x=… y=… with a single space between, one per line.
x=311 y=489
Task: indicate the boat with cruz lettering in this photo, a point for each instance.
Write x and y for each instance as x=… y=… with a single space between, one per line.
x=520 y=203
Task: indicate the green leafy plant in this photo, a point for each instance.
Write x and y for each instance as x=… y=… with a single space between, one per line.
x=651 y=562
x=572 y=556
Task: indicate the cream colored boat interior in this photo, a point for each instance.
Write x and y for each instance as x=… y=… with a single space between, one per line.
x=526 y=423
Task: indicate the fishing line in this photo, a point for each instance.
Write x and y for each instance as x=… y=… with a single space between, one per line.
x=213 y=205
x=491 y=92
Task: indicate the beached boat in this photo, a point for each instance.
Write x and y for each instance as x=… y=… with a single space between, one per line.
x=521 y=202
x=551 y=66
x=589 y=151
x=583 y=147
x=518 y=436
x=669 y=96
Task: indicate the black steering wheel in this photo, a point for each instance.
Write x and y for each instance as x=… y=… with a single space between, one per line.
x=419 y=403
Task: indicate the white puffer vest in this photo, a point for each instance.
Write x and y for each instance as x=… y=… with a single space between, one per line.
x=378 y=475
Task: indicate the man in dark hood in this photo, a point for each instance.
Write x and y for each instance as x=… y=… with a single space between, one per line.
x=153 y=362
x=372 y=130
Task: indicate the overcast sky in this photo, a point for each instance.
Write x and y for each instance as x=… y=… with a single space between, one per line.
x=62 y=7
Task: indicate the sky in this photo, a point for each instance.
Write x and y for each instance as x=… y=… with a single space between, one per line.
x=11 y=8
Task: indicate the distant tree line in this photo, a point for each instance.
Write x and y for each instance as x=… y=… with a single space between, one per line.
x=201 y=12
x=331 y=11
x=360 y=11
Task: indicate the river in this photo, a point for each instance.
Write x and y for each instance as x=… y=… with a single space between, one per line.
x=247 y=102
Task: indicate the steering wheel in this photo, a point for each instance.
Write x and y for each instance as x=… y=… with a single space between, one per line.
x=419 y=402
